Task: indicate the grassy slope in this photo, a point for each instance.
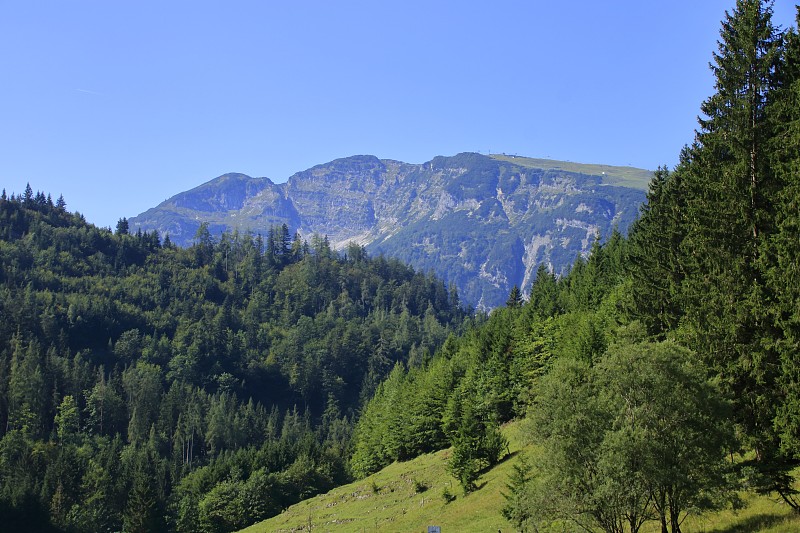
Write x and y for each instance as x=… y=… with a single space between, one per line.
x=387 y=502
x=635 y=178
x=396 y=506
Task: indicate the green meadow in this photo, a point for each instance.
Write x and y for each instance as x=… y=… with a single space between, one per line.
x=408 y=497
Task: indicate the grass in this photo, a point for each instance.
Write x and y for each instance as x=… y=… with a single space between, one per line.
x=762 y=513
x=634 y=178
x=391 y=500
x=396 y=505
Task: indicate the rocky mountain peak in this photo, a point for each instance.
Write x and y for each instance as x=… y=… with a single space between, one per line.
x=484 y=223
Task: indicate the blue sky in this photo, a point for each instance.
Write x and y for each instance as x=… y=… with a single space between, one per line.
x=119 y=105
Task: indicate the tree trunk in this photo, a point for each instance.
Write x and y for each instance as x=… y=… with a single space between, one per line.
x=675 y=522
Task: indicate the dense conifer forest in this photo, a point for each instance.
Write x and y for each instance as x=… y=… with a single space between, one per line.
x=145 y=387
x=660 y=377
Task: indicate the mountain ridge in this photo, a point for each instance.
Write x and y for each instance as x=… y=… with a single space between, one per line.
x=484 y=223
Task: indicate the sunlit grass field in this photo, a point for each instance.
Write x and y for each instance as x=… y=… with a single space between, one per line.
x=408 y=497
x=635 y=178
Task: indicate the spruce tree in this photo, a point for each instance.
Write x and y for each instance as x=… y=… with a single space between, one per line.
x=518 y=502
x=654 y=253
x=783 y=249
x=123 y=226
x=728 y=186
x=514 y=298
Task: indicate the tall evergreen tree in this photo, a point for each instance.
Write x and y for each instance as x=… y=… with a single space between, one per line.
x=122 y=226
x=783 y=249
x=654 y=252
x=514 y=298
x=728 y=185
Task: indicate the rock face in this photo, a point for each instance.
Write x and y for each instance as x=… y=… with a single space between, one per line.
x=483 y=223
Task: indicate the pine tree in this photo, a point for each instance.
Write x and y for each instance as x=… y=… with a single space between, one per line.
x=514 y=298
x=477 y=444
x=141 y=510
x=517 y=508
x=26 y=402
x=783 y=249
x=122 y=226
x=728 y=185
x=654 y=255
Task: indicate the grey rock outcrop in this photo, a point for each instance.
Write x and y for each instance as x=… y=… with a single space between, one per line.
x=484 y=223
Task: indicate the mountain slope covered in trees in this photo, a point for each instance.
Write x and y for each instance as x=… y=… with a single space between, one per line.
x=147 y=387
x=660 y=375
x=483 y=223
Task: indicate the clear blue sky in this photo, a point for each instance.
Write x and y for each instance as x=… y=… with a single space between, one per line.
x=119 y=105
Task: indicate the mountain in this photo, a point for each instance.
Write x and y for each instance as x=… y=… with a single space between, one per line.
x=484 y=223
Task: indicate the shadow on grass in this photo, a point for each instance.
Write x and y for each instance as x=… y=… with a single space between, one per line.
x=506 y=457
x=753 y=523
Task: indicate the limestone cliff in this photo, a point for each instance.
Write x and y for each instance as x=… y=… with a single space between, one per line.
x=483 y=223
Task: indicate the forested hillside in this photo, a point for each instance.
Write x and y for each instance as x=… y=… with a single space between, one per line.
x=660 y=377
x=146 y=387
